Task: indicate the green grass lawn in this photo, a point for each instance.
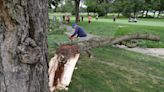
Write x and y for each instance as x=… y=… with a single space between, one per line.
x=113 y=69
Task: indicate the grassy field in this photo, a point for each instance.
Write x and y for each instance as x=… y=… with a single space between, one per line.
x=113 y=69
x=106 y=27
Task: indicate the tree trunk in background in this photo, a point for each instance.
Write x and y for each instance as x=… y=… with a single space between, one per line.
x=159 y=13
x=143 y=13
x=23 y=46
x=77 y=3
x=118 y=15
x=154 y=14
x=134 y=14
x=146 y=13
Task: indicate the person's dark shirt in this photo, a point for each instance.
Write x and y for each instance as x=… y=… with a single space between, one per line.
x=79 y=32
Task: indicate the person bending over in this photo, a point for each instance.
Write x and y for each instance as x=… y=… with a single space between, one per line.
x=79 y=32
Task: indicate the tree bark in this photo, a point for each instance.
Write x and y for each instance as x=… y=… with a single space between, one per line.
x=23 y=46
x=77 y=3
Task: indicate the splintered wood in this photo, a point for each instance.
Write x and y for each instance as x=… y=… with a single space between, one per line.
x=61 y=67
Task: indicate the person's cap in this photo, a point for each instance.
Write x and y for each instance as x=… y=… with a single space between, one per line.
x=74 y=24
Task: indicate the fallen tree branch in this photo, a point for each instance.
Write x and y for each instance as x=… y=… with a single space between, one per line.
x=63 y=63
x=98 y=42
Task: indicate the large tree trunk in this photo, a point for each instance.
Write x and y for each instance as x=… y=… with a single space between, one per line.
x=77 y=3
x=23 y=46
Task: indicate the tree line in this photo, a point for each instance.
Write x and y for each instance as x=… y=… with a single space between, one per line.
x=127 y=8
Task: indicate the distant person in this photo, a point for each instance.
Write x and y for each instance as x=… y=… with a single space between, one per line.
x=135 y=19
x=63 y=18
x=130 y=19
x=68 y=19
x=97 y=17
x=79 y=18
x=82 y=18
x=114 y=18
x=54 y=19
x=79 y=32
x=89 y=19
x=60 y=20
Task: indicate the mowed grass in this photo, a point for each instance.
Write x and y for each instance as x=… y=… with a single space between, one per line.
x=112 y=69
x=117 y=70
x=107 y=28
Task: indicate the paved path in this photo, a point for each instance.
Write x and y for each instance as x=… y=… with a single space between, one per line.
x=157 y=52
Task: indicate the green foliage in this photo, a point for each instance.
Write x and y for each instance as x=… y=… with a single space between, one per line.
x=54 y=27
x=127 y=7
x=98 y=6
x=69 y=6
x=102 y=9
x=132 y=7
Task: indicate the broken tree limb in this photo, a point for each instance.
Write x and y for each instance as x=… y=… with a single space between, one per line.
x=63 y=63
x=61 y=67
x=98 y=42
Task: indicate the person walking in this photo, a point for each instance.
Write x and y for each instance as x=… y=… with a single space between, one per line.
x=114 y=18
x=82 y=18
x=89 y=19
x=68 y=19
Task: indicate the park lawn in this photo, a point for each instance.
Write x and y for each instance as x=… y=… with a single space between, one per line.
x=113 y=69
x=118 y=29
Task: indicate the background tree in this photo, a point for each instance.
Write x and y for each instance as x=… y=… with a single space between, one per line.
x=77 y=3
x=23 y=46
x=91 y=6
x=66 y=6
x=117 y=7
x=98 y=6
x=161 y=7
x=129 y=7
